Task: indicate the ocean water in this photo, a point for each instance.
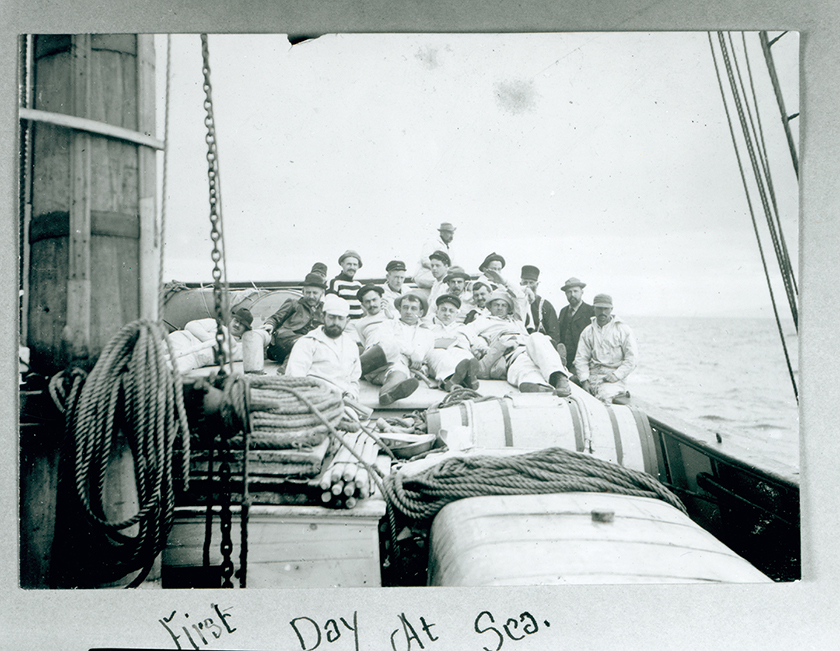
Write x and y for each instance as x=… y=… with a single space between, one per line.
x=725 y=375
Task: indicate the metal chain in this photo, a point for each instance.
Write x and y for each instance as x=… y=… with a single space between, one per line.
x=215 y=205
x=225 y=454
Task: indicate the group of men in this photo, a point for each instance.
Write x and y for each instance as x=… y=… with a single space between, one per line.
x=451 y=330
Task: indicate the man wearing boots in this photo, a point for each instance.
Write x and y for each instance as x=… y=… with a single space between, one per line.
x=451 y=360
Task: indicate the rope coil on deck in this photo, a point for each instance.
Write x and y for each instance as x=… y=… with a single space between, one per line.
x=131 y=390
x=552 y=470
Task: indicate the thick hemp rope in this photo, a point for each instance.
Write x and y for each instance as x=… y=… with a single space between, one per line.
x=552 y=470
x=133 y=390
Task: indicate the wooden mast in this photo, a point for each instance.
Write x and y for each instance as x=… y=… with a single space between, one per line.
x=93 y=245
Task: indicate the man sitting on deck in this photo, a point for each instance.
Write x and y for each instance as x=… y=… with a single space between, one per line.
x=606 y=354
x=343 y=284
x=328 y=353
x=451 y=360
x=364 y=330
x=194 y=346
x=481 y=292
x=295 y=318
x=572 y=320
x=530 y=361
x=403 y=347
x=540 y=316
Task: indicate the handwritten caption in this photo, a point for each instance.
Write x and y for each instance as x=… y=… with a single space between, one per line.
x=410 y=633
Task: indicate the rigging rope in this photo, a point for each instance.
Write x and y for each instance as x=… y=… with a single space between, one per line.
x=552 y=470
x=131 y=390
x=752 y=212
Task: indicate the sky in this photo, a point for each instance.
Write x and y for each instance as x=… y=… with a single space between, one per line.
x=604 y=156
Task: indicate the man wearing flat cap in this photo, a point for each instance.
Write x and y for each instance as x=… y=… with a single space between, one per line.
x=328 y=353
x=606 y=354
x=573 y=318
x=540 y=316
x=403 y=348
x=295 y=318
x=439 y=264
x=506 y=350
x=455 y=281
x=393 y=287
x=423 y=275
x=344 y=285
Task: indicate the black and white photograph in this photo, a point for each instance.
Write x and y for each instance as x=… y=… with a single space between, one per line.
x=342 y=338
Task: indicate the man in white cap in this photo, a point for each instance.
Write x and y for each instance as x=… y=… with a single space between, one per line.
x=573 y=318
x=344 y=285
x=328 y=353
x=423 y=275
x=506 y=349
x=606 y=354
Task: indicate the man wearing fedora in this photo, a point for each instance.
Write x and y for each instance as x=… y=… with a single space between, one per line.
x=393 y=287
x=343 y=284
x=423 y=275
x=403 y=346
x=328 y=352
x=506 y=350
x=573 y=318
x=541 y=315
x=606 y=354
x=295 y=318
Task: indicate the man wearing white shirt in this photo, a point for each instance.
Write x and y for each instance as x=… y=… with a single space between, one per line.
x=423 y=276
x=451 y=360
x=328 y=353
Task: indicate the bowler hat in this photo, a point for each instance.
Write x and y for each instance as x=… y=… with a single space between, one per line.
x=489 y=259
x=443 y=256
x=314 y=280
x=349 y=253
x=572 y=282
x=500 y=295
x=364 y=289
x=395 y=265
x=424 y=303
x=602 y=300
x=448 y=298
x=319 y=268
x=243 y=315
x=446 y=226
x=334 y=304
x=530 y=272
x=456 y=272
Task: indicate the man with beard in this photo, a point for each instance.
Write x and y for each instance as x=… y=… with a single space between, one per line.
x=343 y=284
x=572 y=320
x=481 y=292
x=606 y=354
x=451 y=361
x=328 y=353
x=393 y=289
x=529 y=361
x=541 y=316
x=295 y=318
x=404 y=346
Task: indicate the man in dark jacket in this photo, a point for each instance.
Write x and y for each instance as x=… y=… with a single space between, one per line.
x=295 y=318
x=573 y=319
x=541 y=317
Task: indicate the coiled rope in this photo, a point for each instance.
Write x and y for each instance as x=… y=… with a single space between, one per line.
x=133 y=391
x=552 y=470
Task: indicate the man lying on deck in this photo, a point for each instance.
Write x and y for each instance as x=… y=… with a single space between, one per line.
x=193 y=346
x=530 y=361
x=451 y=358
x=329 y=353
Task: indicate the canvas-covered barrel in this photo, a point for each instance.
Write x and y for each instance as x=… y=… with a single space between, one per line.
x=568 y=538
x=620 y=434
x=182 y=304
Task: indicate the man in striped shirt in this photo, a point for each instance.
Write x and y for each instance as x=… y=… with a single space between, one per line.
x=343 y=284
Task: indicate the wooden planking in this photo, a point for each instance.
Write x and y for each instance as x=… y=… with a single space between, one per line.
x=290 y=546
